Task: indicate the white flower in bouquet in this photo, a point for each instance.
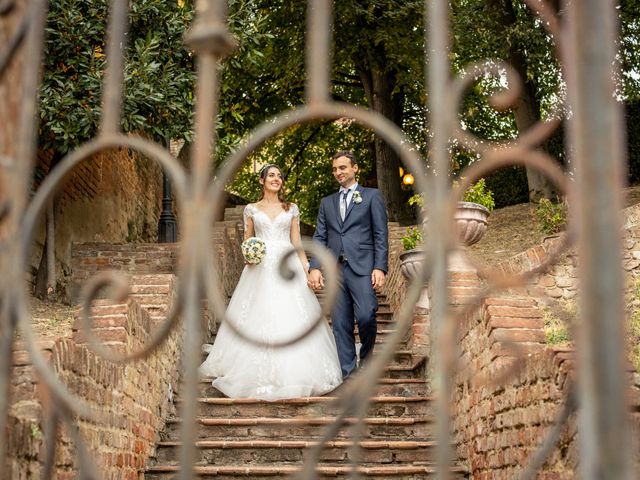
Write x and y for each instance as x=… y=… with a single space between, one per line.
x=253 y=250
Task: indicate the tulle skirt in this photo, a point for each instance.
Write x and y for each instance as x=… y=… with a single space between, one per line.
x=271 y=309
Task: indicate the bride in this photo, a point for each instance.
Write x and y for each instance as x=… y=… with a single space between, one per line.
x=273 y=309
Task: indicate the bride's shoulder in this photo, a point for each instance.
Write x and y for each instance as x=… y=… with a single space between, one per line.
x=250 y=209
x=293 y=208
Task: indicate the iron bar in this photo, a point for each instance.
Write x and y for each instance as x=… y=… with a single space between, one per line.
x=114 y=76
x=191 y=356
x=318 y=51
x=596 y=143
x=17 y=190
x=206 y=109
x=440 y=110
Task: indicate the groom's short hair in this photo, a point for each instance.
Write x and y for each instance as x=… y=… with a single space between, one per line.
x=345 y=153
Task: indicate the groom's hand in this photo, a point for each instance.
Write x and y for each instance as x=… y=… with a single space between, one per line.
x=377 y=278
x=315 y=279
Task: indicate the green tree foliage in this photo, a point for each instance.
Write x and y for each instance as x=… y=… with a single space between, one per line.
x=158 y=99
x=381 y=40
x=302 y=153
x=509 y=31
x=630 y=49
x=378 y=40
x=632 y=117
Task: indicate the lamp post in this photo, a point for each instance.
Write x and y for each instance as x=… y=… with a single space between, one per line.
x=167 y=225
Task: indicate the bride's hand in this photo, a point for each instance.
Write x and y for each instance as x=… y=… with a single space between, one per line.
x=315 y=280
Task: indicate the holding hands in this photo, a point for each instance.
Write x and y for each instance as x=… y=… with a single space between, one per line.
x=315 y=280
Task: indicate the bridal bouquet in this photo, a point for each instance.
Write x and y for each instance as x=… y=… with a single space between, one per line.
x=253 y=250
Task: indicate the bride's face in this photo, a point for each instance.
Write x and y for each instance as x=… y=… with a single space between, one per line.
x=272 y=182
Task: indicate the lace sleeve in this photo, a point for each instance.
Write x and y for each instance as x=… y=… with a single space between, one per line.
x=295 y=213
x=247 y=213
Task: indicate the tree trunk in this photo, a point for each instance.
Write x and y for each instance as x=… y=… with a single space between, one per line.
x=41 y=289
x=526 y=113
x=378 y=87
x=527 y=109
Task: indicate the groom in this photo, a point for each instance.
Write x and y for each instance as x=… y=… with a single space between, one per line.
x=352 y=223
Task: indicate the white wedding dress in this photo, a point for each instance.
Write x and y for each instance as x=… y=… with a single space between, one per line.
x=272 y=309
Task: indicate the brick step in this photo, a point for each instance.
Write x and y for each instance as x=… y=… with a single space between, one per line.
x=382 y=316
x=415 y=471
x=383 y=333
x=382 y=323
x=143 y=289
x=394 y=387
x=106 y=307
x=159 y=279
x=151 y=299
x=102 y=247
x=401 y=357
x=155 y=305
x=308 y=406
x=252 y=452
x=385 y=318
x=382 y=298
x=303 y=427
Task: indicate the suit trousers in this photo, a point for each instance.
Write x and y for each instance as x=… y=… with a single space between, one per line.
x=356 y=304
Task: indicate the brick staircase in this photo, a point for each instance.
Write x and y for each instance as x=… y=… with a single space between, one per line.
x=255 y=438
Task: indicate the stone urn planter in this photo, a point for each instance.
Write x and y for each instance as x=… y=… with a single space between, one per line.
x=410 y=261
x=471 y=222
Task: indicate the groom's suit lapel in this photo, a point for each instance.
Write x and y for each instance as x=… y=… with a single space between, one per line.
x=336 y=207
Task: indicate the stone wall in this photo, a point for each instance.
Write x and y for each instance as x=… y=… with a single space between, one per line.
x=560 y=281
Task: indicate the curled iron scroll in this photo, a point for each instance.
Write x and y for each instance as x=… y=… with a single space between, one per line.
x=493 y=156
x=319 y=111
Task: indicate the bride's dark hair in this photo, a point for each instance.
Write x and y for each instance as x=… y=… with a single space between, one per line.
x=264 y=171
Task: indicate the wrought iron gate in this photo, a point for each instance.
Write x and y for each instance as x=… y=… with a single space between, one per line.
x=584 y=41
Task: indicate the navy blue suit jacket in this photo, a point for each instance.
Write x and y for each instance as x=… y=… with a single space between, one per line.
x=362 y=237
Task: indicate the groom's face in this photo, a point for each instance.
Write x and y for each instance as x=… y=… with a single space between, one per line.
x=344 y=172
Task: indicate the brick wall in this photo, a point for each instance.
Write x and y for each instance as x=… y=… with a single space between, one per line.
x=125 y=429
x=510 y=387
x=496 y=423
x=89 y=258
x=113 y=197
x=395 y=284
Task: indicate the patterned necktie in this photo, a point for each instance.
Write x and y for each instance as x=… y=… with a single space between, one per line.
x=343 y=204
